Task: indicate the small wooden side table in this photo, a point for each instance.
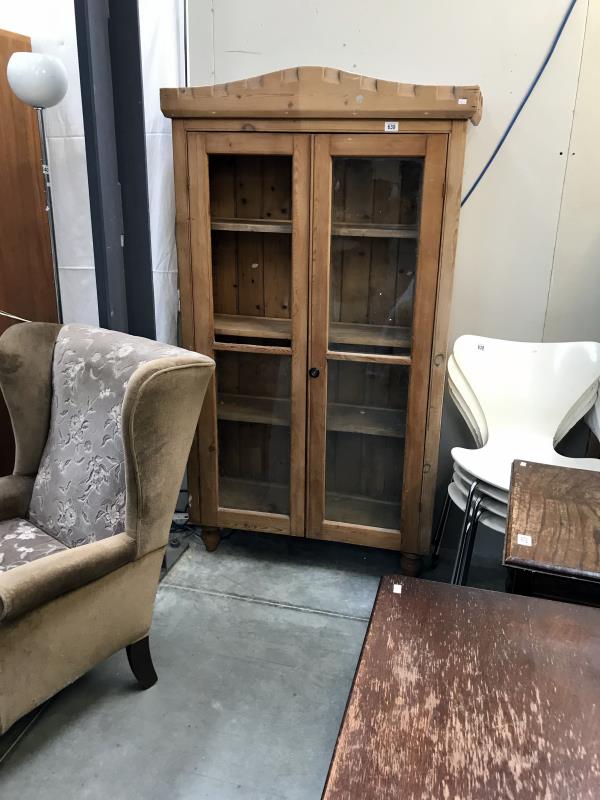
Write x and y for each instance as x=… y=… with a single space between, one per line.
x=553 y=526
x=471 y=694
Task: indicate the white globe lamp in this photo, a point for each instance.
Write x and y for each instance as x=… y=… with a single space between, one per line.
x=37 y=79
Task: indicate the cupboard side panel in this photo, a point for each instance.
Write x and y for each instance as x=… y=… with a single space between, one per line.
x=423 y=319
x=454 y=177
x=202 y=294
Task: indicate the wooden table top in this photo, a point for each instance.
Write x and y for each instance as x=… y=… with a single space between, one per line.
x=465 y=694
x=553 y=520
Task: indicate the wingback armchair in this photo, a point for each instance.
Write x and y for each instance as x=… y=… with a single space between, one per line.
x=103 y=425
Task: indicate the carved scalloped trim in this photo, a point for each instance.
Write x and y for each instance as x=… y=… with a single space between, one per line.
x=325 y=93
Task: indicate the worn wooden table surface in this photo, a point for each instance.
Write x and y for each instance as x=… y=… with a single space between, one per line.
x=553 y=521
x=463 y=694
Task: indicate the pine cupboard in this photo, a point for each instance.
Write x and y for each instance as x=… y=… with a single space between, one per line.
x=317 y=214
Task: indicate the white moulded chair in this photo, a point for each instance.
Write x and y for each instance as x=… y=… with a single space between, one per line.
x=518 y=400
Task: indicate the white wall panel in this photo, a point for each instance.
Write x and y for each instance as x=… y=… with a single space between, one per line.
x=574 y=302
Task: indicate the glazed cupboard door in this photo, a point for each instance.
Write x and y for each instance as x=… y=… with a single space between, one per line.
x=249 y=232
x=377 y=216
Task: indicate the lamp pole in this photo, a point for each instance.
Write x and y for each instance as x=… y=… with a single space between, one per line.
x=49 y=209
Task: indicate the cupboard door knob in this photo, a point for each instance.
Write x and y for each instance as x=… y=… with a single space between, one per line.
x=314 y=372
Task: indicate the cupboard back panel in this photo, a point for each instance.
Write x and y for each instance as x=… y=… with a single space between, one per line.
x=375 y=215
x=366 y=418
x=251 y=269
x=252 y=273
x=253 y=412
x=378 y=191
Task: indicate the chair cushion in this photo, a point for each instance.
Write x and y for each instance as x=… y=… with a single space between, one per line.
x=79 y=492
x=21 y=542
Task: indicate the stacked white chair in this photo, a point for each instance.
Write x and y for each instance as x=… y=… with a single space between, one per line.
x=518 y=399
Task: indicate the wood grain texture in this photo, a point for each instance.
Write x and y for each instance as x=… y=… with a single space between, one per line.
x=201 y=286
x=430 y=230
x=26 y=274
x=453 y=181
x=314 y=125
x=470 y=694
x=322 y=92
x=559 y=509
x=301 y=209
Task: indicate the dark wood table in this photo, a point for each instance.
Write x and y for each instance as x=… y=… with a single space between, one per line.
x=464 y=693
x=553 y=523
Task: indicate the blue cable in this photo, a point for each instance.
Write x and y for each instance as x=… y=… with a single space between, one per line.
x=523 y=102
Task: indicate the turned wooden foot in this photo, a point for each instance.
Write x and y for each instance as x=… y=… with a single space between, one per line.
x=411 y=564
x=211 y=538
x=140 y=661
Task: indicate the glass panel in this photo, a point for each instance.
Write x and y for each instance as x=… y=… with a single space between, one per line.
x=253 y=412
x=375 y=217
x=366 y=422
x=251 y=213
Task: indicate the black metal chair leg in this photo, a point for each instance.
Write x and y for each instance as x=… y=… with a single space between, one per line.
x=463 y=534
x=441 y=527
x=140 y=661
x=477 y=512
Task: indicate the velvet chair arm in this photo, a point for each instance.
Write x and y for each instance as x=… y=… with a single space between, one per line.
x=15 y=494
x=33 y=584
x=160 y=413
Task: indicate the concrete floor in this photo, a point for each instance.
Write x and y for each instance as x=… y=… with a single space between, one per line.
x=255 y=647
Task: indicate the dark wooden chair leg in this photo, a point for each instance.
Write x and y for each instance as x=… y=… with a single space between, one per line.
x=140 y=661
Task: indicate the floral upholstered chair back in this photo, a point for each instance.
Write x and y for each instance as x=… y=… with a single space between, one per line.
x=79 y=491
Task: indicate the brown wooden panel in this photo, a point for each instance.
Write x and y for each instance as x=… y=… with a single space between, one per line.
x=380 y=145
x=443 y=706
x=319 y=332
x=453 y=189
x=314 y=125
x=26 y=275
x=430 y=228
x=277 y=261
x=301 y=243
x=205 y=492
x=557 y=510
x=225 y=274
x=322 y=92
x=241 y=143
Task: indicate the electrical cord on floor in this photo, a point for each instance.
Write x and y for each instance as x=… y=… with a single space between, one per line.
x=523 y=102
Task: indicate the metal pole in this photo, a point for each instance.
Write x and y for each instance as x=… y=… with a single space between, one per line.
x=49 y=211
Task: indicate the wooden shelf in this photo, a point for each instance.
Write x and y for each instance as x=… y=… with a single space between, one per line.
x=374 y=335
x=244 y=408
x=370 y=230
x=253 y=327
x=340 y=417
x=374 y=230
x=254 y=495
x=252 y=225
x=363 y=419
x=362 y=510
x=264 y=496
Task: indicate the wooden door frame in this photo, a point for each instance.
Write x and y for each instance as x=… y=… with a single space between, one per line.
x=433 y=148
x=194 y=248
